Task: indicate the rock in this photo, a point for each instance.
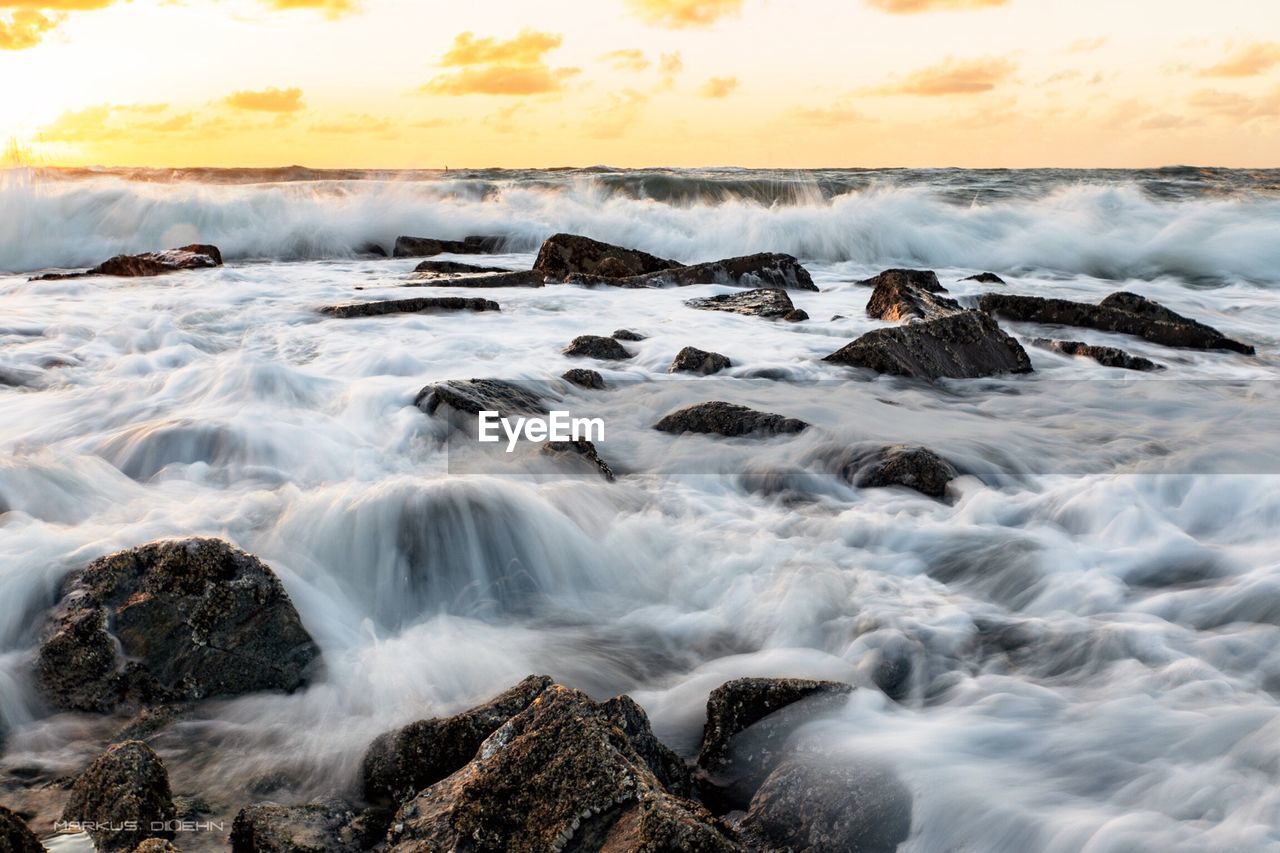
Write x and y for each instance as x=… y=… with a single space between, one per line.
x=767 y=302
x=916 y=468
x=455 y=268
x=15 y=836
x=399 y=764
x=1106 y=356
x=371 y=248
x=564 y=254
x=473 y=396
x=748 y=723
x=502 y=278
x=583 y=448
x=584 y=378
x=627 y=335
x=897 y=299
x=409 y=306
x=1122 y=312
x=694 y=360
x=325 y=826
x=829 y=807
x=193 y=619
x=595 y=346
x=121 y=794
x=964 y=345
x=985 y=278
x=156 y=845
x=560 y=775
x=727 y=419
x=195 y=256
x=795 y=316
x=667 y=767
x=765 y=270
x=417 y=247
x=150 y=721
x=919 y=279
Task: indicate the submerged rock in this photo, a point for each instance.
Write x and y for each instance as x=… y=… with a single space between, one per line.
x=409 y=306
x=562 y=255
x=727 y=419
x=595 y=346
x=767 y=302
x=472 y=396
x=120 y=796
x=1106 y=356
x=968 y=344
x=766 y=269
x=917 y=468
x=495 y=278
x=985 y=278
x=584 y=449
x=584 y=378
x=694 y=360
x=177 y=620
x=417 y=247
x=919 y=279
x=897 y=298
x=15 y=836
x=157 y=845
x=147 y=264
x=325 y=826
x=627 y=335
x=455 y=268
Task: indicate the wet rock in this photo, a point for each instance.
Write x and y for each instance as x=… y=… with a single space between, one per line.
x=371 y=248
x=595 y=346
x=667 y=767
x=417 y=247
x=15 y=837
x=795 y=316
x=1126 y=313
x=583 y=449
x=399 y=764
x=1106 y=356
x=325 y=826
x=409 y=306
x=170 y=621
x=150 y=721
x=501 y=278
x=195 y=256
x=564 y=254
x=156 y=845
x=455 y=268
x=897 y=299
x=694 y=360
x=964 y=345
x=121 y=794
x=727 y=419
x=627 y=335
x=764 y=270
x=918 y=279
x=829 y=807
x=748 y=723
x=985 y=278
x=584 y=378
x=767 y=302
x=917 y=468
x=472 y=396
x=560 y=775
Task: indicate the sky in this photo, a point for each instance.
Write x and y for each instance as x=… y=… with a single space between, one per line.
x=632 y=83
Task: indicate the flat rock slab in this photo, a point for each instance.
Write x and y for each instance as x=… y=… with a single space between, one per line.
x=423 y=305
x=500 y=278
x=769 y=302
x=455 y=268
x=959 y=346
x=727 y=419
x=195 y=256
x=562 y=255
x=767 y=269
x=417 y=247
x=1106 y=356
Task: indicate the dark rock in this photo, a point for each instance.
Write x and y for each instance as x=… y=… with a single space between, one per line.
x=727 y=419
x=581 y=448
x=15 y=837
x=896 y=299
x=417 y=247
x=694 y=360
x=409 y=306
x=964 y=345
x=768 y=302
x=1122 y=312
x=399 y=764
x=669 y=768
x=795 y=316
x=919 y=279
x=627 y=335
x=595 y=346
x=325 y=826
x=17 y=377
x=195 y=256
x=157 y=845
x=748 y=723
x=560 y=775
x=150 y=721
x=120 y=795
x=584 y=378
x=502 y=278
x=765 y=270
x=193 y=618
x=1106 y=356
x=565 y=254
x=455 y=268
x=473 y=396
x=985 y=278
x=372 y=248
x=829 y=807
x=916 y=468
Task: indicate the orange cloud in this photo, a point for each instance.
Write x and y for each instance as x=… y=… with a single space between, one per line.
x=270 y=100
x=332 y=8
x=1248 y=61
x=953 y=77
x=526 y=48
x=627 y=60
x=500 y=80
x=107 y=121
x=24 y=29
x=1237 y=107
x=718 y=87
x=909 y=7
x=362 y=123
x=684 y=13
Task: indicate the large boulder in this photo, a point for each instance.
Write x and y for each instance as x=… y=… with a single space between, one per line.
x=897 y=298
x=424 y=305
x=325 y=826
x=1106 y=356
x=917 y=468
x=401 y=763
x=728 y=419
x=968 y=344
x=195 y=256
x=172 y=621
x=767 y=302
x=694 y=360
x=123 y=798
x=15 y=836
x=1126 y=313
x=597 y=346
x=417 y=247
x=562 y=255
x=767 y=269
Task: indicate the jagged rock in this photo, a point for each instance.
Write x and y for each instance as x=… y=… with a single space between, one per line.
x=193 y=619
x=580 y=448
x=195 y=256
x=964 y=345
x=120 y=796
x=764 y=270
x=325 y=826
x=667 y=767
x=985 y=278
x=560 y=775
x=399 y=764
x=595 y=346
x=584 y=378
x=896 y=298
x=150 y=721
x=1122 y=312
x=916 y=468
x=767 y=302
x=156 y=845
x=1106 y=356
x=694 y=360
x=829 y=807
x=748 y=723
x=500 y=278
x=919 y=279
x=417 y=247
x=15 y=836
x=409 y=306
x=566 y=254
x=455 y=268
x=727 y=419
x=627 y=335
x=472 y=396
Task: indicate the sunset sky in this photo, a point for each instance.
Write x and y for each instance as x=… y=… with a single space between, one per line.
x=795 y=83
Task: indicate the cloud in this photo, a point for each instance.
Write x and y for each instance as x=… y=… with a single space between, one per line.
x=24 y=29
x=1087 y=45
x=622 y=110
x=1237 y=107
x=501 y=80
x=718 y=87
x=332 y=8
x=108 y=121
x=952 y=77
x=526 y=48
x=1248 y=61
x=678 y=14
x=270 y=100
x=910 y=7
x=627 y=60
x=362 y=123
x=671 y=63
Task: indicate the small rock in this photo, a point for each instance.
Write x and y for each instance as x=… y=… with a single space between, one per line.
x=727 y=419
x=15 y=836
x=627 y=335
x=985 y=278
x=918 y=279
x=694 y=360
x=917 y=468
x=584 y=378
x=156 y=845
x=795 y=316
x=964 y=345
x=455 y=268
x=195 y=256
x=564 y=254
x=1106 y=356
x=473 y=396
x=371 y=248
x=765 y=270
x=583 y=448
x=409 y=306
x=501 y=278
x=121 y=794
x=325 y=826
x=767 y=302
x=595 y=346
x=417 y=247
x=896 y=299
